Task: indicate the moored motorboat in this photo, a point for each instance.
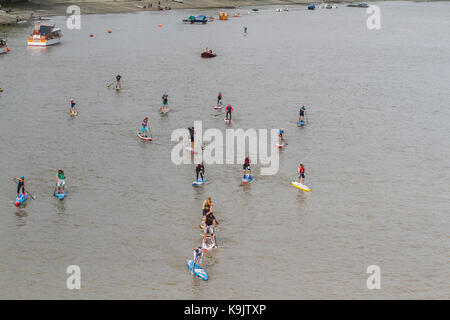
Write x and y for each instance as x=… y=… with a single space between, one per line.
x=358 y=5
x=311 y=6
x=45 y=35
x=223 y=16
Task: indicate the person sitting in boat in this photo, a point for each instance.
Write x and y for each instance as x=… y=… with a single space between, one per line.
x=281 y=136
x=210 y=222
x=302 y=113
x=246 y=166
x=20 y=184
x=145 y=127
x=200 y=170
x=72 y=107
x=207 y=205
x=60 y=181
x=219 y=99
x=228 y=111
x=118 y=85
x=208 y=50
x=301 y=173
x=198 y=257
x=192 y=134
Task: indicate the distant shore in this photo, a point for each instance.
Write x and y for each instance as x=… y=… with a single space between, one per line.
x=24 y=10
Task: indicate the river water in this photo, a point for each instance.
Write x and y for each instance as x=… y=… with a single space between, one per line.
x=376 y=151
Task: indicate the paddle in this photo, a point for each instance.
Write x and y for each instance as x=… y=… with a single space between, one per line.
x=56 y=187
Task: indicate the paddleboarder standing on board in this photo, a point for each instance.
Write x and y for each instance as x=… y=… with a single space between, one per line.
x=145 y=127
x=20 y=185
x=302 y=113
x=72 y=107
x=207 y=205
x=200 y=169
x=281 y=135
x=228 y=111
x=165 y=98
x=60 y=181
x=246 y=166
x=219 y=99
x=198 y=257
x=192 y=133
x=118 y=85
x=210 y=222
x=301 y=173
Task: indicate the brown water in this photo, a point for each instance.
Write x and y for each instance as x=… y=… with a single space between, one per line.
x=376 y=151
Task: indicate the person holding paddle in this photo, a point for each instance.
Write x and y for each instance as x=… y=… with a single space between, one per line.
x=228 y=111
x=118 y=85
x=200 y=170
x=301 y=173
x=207 y=205
x=60 y=181
x=165 y=98
x=210 y=222
x=72 y=107
x=145 y=127
x=302 y=113
x=20 y=184
x=219 y=99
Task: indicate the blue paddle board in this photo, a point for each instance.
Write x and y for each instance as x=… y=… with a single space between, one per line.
x=301 y=123
x=199 y=272
x=199 y=182
x=247 y=178
x=60 y=196
x=21 y=199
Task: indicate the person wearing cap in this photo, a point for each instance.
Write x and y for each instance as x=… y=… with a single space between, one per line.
x=21 y=184
x=60 y=181
x=72 y=107
x=281 y=135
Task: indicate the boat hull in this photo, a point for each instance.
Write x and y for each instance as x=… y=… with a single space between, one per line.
x=43 y=43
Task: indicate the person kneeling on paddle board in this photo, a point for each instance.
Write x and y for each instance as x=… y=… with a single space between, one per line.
x=246 y=166
x=20 y=185
x=207 y=206
x=72 y=107
x=192 y=133
x=219 y=99
x=60 y=181
x=301 y=173
x=210 y=221
x=228 y=111
x=118 y=85
x=281 y=135
x=145 y=127
x=200 y=169
x=302 y=113
x=198 y=257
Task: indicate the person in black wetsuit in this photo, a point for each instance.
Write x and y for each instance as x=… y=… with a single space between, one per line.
x=20 y=185
x=192 y=133
x=200 y=169
x=210 y=222
x=118 y=85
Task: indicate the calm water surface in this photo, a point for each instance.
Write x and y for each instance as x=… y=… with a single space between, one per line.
x=376 y=150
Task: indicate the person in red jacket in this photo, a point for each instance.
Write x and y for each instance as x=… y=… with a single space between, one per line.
x=228 y=111
x=301 y=173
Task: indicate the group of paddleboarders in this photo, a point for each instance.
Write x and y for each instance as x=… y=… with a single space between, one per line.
x=208 y=224
x=60 y=183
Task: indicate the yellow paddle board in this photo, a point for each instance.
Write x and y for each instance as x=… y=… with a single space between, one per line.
x=300 y=186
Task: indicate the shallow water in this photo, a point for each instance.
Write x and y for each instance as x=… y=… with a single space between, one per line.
x=376 y=151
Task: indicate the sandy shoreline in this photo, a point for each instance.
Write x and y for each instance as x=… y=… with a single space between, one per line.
x=25 y=10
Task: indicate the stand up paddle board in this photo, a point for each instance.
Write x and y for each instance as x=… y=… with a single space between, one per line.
x=60 y=196
x=301 y=123
x=199 y=182
x=227 y=120
x=117 y=89
x=300 y=186
x=21 y=199
x=217 y=107
x=164 y=111
x=281 y=145
x=73 y=114
x=247 y=178
x=208 y=245
x=143 y=138
x=199 y=272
